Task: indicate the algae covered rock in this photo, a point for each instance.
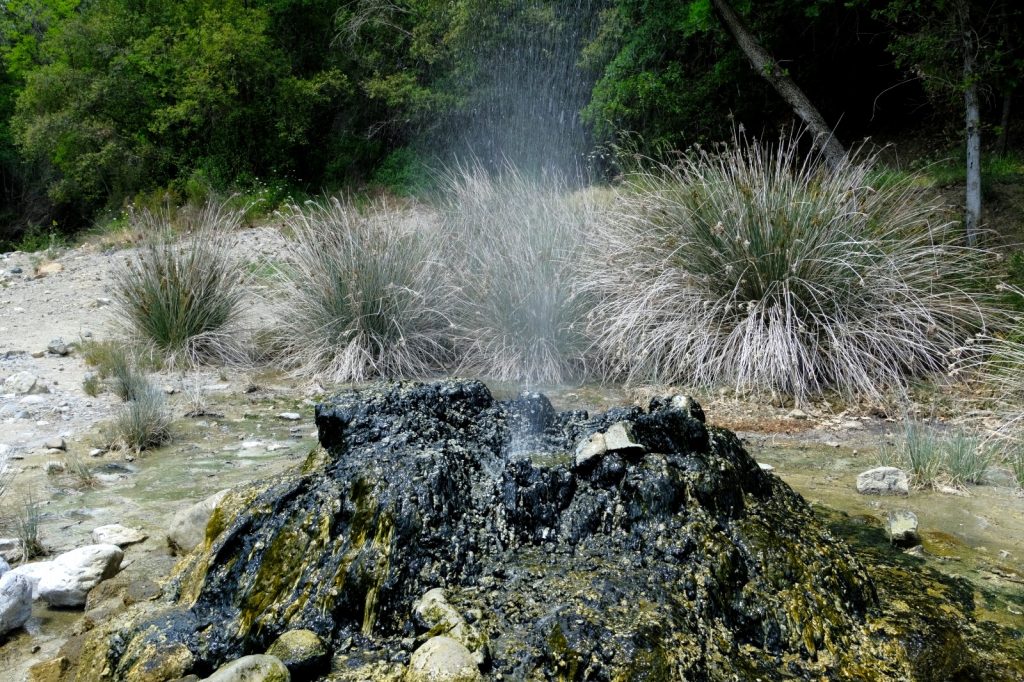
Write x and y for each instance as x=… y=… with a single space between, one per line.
x=303 y=652
x=260 y=668
x=672 y=557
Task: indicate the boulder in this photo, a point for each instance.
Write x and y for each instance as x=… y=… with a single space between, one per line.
x=258 y=668
x=303 y=652
x=25 y=383
x=883 y=481
x=116 y=534
x=56 y=443
x=188 y=527
x=442 y=659
x=15 y=602
x=73 y=574
x=34 y=572
x=901 y=527
x=49 y=671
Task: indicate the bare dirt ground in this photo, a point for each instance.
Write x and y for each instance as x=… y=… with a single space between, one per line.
x=978 y=533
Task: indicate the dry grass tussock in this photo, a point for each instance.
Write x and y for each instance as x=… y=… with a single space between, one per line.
x=182 y=296
x=754 y=266
x=359 y=295
x=518 y=311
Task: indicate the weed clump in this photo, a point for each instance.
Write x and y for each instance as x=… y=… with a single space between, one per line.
x=184 y=296
x=934 y=457
x=754 y=266
x=519 y=313
x=360 y=294
x=143 y=423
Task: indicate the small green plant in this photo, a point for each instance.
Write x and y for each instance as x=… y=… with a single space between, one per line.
x=26 y=517
x=935 y=457
x=143 y=423
x=1015 y=460
x=79 y=472
x=92 y=385
x=184 y=297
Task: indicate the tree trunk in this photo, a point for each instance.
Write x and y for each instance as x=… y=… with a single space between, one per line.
x=972 y=214
x=1004 y=123
x=824 y=140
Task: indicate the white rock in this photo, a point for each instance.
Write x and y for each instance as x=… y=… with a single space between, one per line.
x=589 y=449
x=619 y=438
x=883 y=481
x=797 y=413
x=116 y=534
x=442 y=659
x=24 y=383
x=56 y=443
x=290 y=416
x=58 y=347
x=258 y=668
x=4 y=566
x=74 y=573
x=188 y=528
x=34 y=572
x=15 y=602
x=765 y=467
x=10 y=549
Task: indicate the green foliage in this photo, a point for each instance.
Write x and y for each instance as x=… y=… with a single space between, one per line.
x=936 y=457
x=404 y=173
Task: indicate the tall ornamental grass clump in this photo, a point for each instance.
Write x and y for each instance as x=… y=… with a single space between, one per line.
x=183 y=295
x=360 y=294
x=519 y=314
x=758 y=267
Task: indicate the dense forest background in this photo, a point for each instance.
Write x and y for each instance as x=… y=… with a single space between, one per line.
x=108 y=102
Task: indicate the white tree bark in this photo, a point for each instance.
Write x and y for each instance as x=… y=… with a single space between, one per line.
x=972 y=214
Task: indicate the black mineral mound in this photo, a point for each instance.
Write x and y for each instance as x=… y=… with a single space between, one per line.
x=638 y=544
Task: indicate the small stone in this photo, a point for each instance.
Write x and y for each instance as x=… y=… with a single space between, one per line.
x=15 y=602
x=797 y=413
x=259 y=668
x=170 y=390
x=116 y=534
x=56 y=443
x=54 y=468
x=15 y=271
x=619 y=438
x=58 y=347
x=10 y=549
x=49 y=269
x=901 y=527
x=100 y=303
x=832 y=444
x=590 y=449
x=442 y=659
x=433 y=613
x=883 y=481
x=290 y=416
x=96 y=452
x=302 y=652
x=765 y=467
x=851 y=425
x=38 y=354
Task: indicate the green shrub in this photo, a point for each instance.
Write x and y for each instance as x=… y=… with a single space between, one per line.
x=519 y=314
x=184 y=296
x=359 y=294
x=754 y=266
x=968 y=457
